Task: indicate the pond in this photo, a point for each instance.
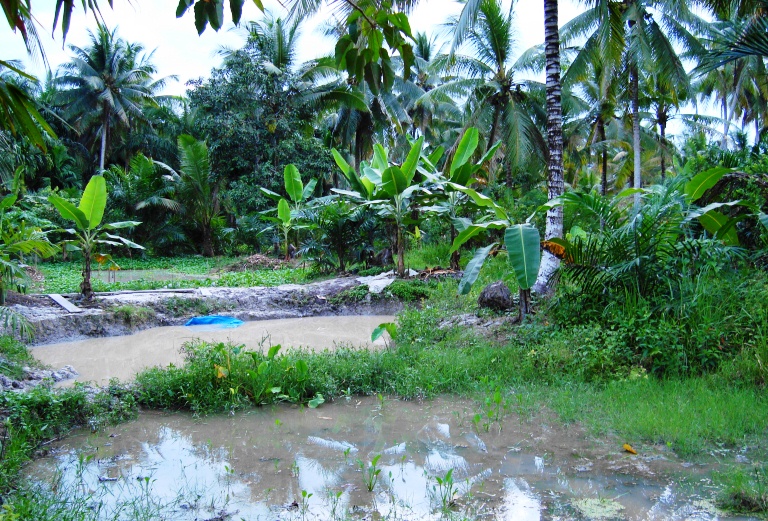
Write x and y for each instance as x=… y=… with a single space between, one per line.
x=369 y=458
x=99 y=359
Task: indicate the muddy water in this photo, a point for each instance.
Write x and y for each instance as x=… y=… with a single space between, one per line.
x=432 y=461
x=99 y=359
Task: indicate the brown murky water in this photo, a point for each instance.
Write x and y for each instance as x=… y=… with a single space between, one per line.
x=434 y=460
x=99 y=359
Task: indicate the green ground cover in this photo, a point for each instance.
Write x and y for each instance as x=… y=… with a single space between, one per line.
x=65 y=277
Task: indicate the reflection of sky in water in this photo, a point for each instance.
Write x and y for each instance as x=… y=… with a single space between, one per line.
x=520 y=503
x=172 y=476
x=228 y=469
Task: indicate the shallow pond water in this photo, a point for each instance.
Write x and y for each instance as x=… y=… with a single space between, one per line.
x=99 y=359
x=432 y=460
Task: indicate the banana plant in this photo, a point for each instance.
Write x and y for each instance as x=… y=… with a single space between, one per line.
x=89 y=231
x=390 y=189
x=522 y=242
x=448 y=200
x=18 y=239
x=299 y=195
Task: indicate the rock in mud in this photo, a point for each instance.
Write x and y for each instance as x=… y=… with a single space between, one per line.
x=496 y=296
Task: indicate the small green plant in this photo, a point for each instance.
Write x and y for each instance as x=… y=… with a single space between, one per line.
x=445 y=490
x=304 y=506
x=370 y=472
x=334 y=500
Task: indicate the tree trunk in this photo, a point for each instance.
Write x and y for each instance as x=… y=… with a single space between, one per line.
x=104 y=131
x=207 y=241
x=525 y=303
x=85 y=287
x=455 y=256
x=637 y=181
x=604 y=157
x=663 y=134
x=400 y=253
x=554 y=226
x=726 y=124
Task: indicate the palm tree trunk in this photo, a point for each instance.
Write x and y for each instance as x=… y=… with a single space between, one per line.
x=663 y=134
x=726 y=124
x=555 y=186
x=637 y=181
x=604 y=157
x=207 y=241
x=104 y=130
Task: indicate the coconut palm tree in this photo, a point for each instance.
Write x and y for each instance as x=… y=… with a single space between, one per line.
x=497 y=104
x=199 y=189
x=106 y=85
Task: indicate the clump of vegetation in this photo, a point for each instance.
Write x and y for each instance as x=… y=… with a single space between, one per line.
x=409 y=290
x=744 y=491
x=184 y=307
x=133 y=315
x=352 y=295
x=14 y=356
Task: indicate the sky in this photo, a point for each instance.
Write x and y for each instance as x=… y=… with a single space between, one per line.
x=178 y=50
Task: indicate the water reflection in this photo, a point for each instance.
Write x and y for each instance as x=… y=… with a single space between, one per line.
x=311 y=465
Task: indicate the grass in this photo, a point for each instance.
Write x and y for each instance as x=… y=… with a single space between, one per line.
x=65 y=277
x=14 y=355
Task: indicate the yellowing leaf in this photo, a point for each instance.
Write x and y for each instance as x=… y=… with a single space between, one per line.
x=221 y=371
x=627 y=447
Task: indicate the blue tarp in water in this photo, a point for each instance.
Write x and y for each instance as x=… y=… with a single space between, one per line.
x=214 y=320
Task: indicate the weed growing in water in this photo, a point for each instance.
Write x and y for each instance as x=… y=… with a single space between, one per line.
x=370 y=472
x=304 y=506
x=333 y=498
x=445 y=490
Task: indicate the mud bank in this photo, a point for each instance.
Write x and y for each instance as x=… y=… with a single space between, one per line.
x=129 y=312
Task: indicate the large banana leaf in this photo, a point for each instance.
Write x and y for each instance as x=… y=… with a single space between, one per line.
x=293 y=185
x=473 y=269
x=69 y=211
x=702 y=182
x=284 y=211
x=394 y=181
x=309 y=189
x=721 y=227
x=481 y=200
x=94 y=201
x=466 y=148
x=522 y=242
x=409 y=166
x=473 y=229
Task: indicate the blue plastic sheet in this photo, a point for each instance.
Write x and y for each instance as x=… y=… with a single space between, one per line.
x=219 y=321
